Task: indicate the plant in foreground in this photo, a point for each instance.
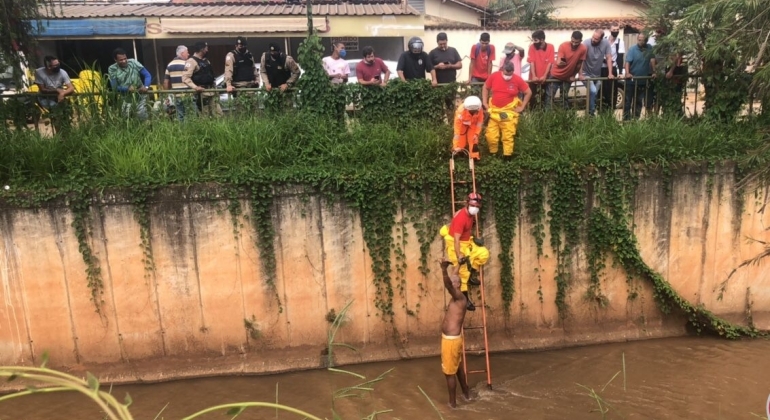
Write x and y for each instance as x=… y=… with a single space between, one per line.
x=55 y=381
x=603 y=407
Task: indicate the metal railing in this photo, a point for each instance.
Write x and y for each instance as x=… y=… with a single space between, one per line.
x=625 y=98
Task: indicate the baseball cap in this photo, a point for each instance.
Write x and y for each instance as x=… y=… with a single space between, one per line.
x=241 y=41
x=474 y=197
x=509 y=47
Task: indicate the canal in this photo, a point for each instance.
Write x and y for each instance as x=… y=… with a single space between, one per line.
x=677 y=378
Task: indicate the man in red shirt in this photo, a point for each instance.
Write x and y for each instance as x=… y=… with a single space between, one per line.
x=369 y=70
x=540 y=58
x=482 y=57
x=458 y=242
x=504 y=107
x=569 y=61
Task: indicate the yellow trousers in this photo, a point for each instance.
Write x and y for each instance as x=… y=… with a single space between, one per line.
x=502 y=123
x=465 y=249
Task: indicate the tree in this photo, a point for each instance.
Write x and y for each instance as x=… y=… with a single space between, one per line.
x=524 y=13
x=726 y=40
x=19 y=21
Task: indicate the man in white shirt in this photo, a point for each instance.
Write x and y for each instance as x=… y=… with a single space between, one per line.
x=610 y=87
x=336 y=66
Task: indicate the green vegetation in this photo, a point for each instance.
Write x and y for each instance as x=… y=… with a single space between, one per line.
x=298 y=148
x=602 y=406
x=524 y=13
x=726 y=41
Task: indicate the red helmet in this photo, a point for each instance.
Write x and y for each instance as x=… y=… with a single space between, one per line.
x=474 y=197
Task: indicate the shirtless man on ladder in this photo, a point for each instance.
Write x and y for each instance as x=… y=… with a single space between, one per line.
x=452 y=336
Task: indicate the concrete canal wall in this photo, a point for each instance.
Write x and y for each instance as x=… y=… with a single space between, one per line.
x=187 y=316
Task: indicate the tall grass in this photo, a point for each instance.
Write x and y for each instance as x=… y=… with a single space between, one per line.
x=116 y=151
x=567 y=137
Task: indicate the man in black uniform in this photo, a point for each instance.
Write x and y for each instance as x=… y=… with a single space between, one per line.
x=414 y=62
x=240 y=71
x=278 y=69
x=199 y=75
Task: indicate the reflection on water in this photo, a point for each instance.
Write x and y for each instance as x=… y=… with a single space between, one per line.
x=682 y=378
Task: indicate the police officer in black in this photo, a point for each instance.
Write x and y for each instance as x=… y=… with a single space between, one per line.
x=278 y=69
x=199 y=75
x=240 y=71
x=414 y=63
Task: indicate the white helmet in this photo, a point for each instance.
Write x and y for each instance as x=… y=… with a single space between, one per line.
x=472 y=103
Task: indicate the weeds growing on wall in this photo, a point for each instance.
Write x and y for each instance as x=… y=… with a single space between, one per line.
x=502 y=183
x=262 y=220
x=81 y=223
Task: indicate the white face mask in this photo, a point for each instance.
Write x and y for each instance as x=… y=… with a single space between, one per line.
x=507 y=77
x=473 y=210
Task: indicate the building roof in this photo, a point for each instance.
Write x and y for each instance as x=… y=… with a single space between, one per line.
x=228 y=9
x=481 y=4
x=474 y=4
x=437 y=22
x=432 y=22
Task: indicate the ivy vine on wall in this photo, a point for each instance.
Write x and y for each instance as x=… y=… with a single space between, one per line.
x=261 y=203
x=80 y=205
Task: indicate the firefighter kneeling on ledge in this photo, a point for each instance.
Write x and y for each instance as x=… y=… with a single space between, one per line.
x=468 y=123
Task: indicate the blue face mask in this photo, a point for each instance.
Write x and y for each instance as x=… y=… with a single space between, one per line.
x=343 y=53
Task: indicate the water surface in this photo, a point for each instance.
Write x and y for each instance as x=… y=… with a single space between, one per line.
x=680 y=378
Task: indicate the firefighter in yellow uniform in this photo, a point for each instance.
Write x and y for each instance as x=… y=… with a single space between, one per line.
x=476 y=255
x=467 y=127
x=504 y=107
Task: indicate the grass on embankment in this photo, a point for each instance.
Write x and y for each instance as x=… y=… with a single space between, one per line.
x=199 y=150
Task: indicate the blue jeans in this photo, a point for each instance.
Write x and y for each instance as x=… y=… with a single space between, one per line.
x=638 y=94
x=179 y=105
x=554 y=87
x=593 y=90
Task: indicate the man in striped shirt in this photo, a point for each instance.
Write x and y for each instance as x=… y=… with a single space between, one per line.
x=173 y=78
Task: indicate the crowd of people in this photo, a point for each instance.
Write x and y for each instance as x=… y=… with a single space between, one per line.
x=594 y=62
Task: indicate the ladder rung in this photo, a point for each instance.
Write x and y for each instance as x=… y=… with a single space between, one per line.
x=462 y=182
x=472 y=328
x=477 y=371
x=480 y=349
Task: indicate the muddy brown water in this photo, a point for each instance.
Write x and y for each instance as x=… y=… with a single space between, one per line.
x=678 y=378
